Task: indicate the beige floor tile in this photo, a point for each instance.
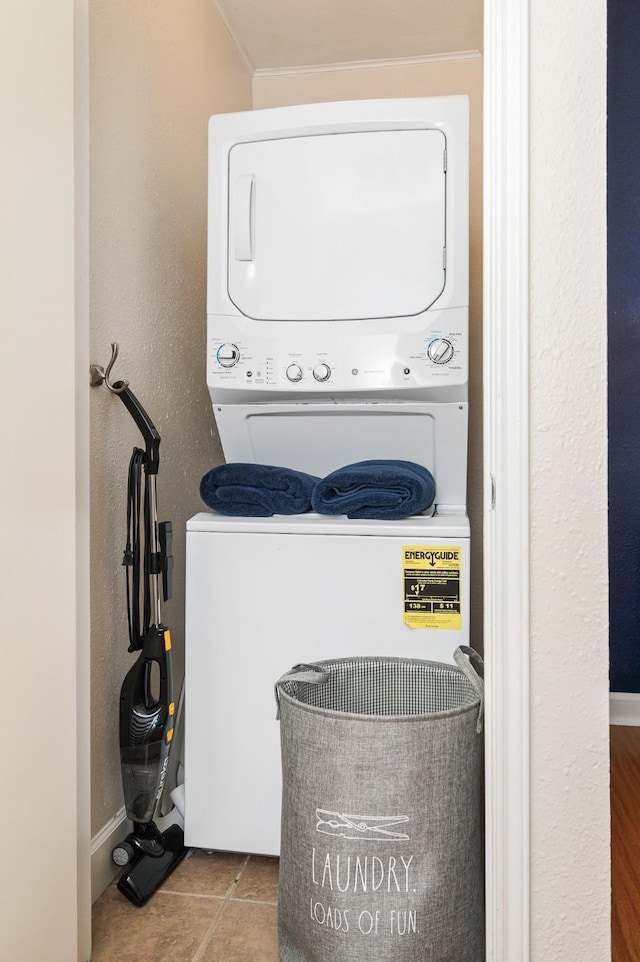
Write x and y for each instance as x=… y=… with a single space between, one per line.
x=205 y=873
x=246 y=932
x=259 y=880
x=169 y=928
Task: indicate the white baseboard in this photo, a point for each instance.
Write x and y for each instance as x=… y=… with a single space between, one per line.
x=624 y=708
x=103 y=869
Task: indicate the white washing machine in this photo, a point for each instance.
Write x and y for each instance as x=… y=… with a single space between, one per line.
x=266 y=594
x=337 y=332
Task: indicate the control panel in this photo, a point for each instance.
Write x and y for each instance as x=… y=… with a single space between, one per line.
x=321 y=359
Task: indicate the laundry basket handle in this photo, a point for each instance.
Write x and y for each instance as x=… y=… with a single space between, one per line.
x=310 y=674
x=464 y=658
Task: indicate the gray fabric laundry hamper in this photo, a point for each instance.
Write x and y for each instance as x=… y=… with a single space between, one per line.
x=381 y=855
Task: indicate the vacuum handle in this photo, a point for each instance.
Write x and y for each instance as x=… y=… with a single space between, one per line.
x=144 y=423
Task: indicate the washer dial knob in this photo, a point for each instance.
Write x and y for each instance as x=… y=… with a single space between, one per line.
x=440 y=350
x=322 y=372
x=228 y=355
x=294 y=373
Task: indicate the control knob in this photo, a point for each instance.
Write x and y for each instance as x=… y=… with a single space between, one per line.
x=294 y=373
x=322 y=372
x=228 y=355
x=440 y=350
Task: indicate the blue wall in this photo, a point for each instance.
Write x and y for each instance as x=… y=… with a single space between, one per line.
x=624 y=341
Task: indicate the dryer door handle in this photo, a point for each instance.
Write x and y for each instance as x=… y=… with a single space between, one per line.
x=244 y=206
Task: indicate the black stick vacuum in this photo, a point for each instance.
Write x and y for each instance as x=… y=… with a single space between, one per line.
x=147 y=706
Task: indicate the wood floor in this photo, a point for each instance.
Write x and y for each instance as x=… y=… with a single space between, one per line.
x=625 y=843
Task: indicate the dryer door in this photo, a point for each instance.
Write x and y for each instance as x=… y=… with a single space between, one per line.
x=337 y=226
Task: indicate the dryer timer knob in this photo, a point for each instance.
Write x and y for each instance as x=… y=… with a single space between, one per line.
x=440 y=350
x=228 y=355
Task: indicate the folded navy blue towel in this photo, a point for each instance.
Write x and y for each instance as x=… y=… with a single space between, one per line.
x=256 y=490
x=380 y=490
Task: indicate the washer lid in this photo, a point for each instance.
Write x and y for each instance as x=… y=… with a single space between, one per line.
x=446 y=525
x=337 y=226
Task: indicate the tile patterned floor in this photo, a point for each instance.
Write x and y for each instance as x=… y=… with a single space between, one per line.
x=215 y=906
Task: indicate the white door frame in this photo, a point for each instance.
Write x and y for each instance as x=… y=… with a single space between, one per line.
x=506 y=473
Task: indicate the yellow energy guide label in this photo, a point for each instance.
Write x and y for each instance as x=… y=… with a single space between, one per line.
x=431 y=578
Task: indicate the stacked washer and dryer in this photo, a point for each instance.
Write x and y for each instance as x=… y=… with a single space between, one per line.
x=337 y=332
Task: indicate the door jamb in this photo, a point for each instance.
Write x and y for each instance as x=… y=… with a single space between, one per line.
x=506 y=473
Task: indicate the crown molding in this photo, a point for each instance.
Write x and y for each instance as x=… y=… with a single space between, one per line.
x=367 y=64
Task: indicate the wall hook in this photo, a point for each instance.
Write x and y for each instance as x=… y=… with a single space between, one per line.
x=100 y=375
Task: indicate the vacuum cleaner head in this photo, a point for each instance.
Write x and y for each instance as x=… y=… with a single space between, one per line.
x=152 y=862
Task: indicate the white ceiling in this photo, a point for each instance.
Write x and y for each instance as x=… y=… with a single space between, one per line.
x=277 y=34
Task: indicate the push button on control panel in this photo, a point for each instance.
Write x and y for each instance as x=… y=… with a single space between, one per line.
x=322 y=372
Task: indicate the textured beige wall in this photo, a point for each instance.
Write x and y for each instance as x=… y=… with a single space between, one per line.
x=158 y=71
x=426 y=79
x=570 y=884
